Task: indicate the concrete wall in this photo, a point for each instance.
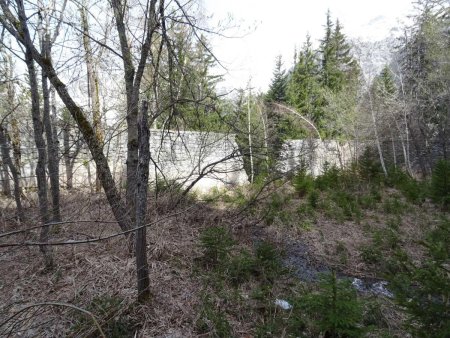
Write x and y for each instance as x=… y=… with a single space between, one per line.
x=314 y=154
x=184 y=156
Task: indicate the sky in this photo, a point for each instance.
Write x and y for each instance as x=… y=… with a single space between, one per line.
x=260 y=30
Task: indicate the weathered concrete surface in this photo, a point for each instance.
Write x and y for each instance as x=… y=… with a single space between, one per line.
x=207 y=159
x=187 y=156
x=313 y=155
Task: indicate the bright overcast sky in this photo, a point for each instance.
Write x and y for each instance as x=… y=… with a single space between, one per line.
x=276 y=27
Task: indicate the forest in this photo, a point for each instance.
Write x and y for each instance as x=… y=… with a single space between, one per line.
x=138 y=198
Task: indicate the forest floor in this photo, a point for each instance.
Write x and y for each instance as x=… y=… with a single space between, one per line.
x=191 y=295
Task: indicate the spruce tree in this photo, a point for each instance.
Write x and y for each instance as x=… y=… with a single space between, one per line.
x=328 y=54
x=303 y=91
x=276 y=132
x=347 y=68
x=384 y=84
x=277 y=89
x=339 y=68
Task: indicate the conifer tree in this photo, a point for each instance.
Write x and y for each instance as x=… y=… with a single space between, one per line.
x=384 y=84
x=338 y=66
x=327 y=51
x=424 y=59
x=275 y=121
x=346 y=66
x=303 y=91
x=277 y=89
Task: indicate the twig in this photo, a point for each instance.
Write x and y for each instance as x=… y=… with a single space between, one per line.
x=26 y=308
x=74 y=242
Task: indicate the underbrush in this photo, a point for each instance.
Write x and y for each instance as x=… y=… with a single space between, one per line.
x=238 y=284
x=389 y=218
x=423 y=288
x=109 y=311
x=236 y=276
x=249 y=289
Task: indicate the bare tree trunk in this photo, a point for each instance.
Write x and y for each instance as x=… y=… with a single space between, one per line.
x=118 y=160
x=133 y=78
x=2 y=178
x=377 y=139
x=15 y=142
x=93 y=83
x=120 y=212
x=406 y=150
x=6 y=159
x=29 y=158
x=39 y=140
x=394 y=154
x=6 y=185
x=252 y=170
x=143 y=281
x=266 y=146
x=15 y=132
x=87 y=164
x=66 y=154
x=54 y=123
x=53 y=161
x=52 y=152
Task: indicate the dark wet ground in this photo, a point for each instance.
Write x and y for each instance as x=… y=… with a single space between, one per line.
x=298 y=258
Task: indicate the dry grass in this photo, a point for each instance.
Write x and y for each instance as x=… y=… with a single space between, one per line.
x=87 y=272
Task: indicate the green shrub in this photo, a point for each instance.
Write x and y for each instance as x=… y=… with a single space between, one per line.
x=241 y=268
x=303 y=183
x=306 y=224
x=370 y=168
x=367 y=202
x=216 y=243
x=236 y=198
x=277 y=325
x=440 y=183
x=105 y=309
x=374 y=315
x=268 y=261
x=329 y=179
x=413 y=190
x=313 y=199
x=394 y=223
x=347 y=202
x=387 y=239
x=213 y=320
x=213 y=195
x=424 y=289
x=274 y=208
x=392 y=239
x=334 y=309
x=341 y=252
x=371 y=254
x=305 y=210
x=393 y=205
